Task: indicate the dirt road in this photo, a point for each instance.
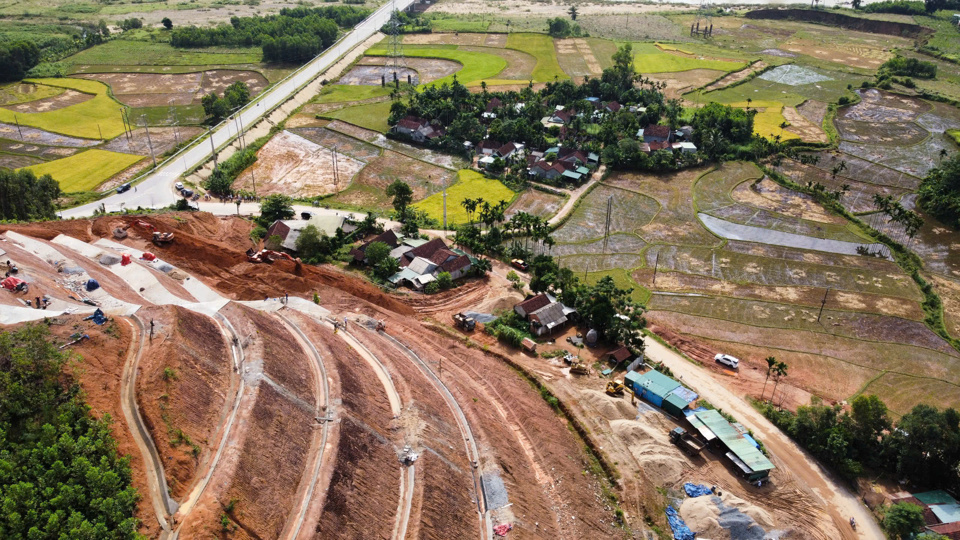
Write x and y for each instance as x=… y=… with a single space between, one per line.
x=840 y=504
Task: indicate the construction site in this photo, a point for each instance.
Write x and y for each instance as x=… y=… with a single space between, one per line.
x=259 y=397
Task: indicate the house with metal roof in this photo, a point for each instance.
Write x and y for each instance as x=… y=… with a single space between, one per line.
x=747 y=458
x=652 y=386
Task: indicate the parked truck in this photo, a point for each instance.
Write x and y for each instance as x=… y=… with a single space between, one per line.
x=688 y=443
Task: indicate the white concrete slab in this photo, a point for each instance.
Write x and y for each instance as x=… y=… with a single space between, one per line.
x=73 y=282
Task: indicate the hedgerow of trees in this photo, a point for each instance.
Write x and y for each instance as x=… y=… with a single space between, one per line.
x=939 y=192
x=24 y=197
x=219 y=107
x=17 y=58
x=294 y=36
x=909 y=67
x=922 y=447
x=60 y=474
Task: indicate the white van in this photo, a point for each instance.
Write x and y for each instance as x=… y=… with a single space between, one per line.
x=727 y=360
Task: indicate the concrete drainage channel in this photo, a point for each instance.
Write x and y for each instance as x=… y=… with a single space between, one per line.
x=486 y=525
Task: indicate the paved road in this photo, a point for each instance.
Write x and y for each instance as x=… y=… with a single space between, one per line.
x=155 y=190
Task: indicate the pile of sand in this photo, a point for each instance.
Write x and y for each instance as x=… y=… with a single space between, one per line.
x=650 y=445
x=703 y=515
x=611 y=408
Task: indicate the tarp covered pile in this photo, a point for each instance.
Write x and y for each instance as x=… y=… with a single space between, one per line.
x=98 y=317
x=679 y=528
x=502 y=529
x=125 y=259
x=92 y=285
x=696 y=490
x=147 y=256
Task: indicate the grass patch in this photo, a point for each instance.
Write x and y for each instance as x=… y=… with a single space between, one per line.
x=540 y=46
x=371 y=116
x=15 y=93
x=623 y=280
x=469 y=185
x=340 y=93
x=476 y=66
x=442 y=22
x=954 y=134
x=162 y=115
x=149 y=53
x=663 y=62
x=86 y=170
x=80 y=120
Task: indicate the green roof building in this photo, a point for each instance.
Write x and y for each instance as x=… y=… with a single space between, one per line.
x=749 y=460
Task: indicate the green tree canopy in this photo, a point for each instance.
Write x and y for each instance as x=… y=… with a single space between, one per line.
x=939 y=192
x=274 y=207
x=402 y=197
x=377 y=252
x=716 y=125
x=60 y=475
x=903 y=520
x=609 y=309
x=25 y=197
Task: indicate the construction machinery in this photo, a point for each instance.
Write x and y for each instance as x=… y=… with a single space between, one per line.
x=268 y=256
x=464 y=322
x=688 y=443
x=159 y=238
x=614 y=388
x=579 y=368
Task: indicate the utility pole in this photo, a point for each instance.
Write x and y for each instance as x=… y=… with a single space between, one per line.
x=823 y=303
x=254 y=178
x=17 y=120
x=212 y=147
x=336 y=170
x=149 y=142
x=444 y=209
x=656 y=265
x=100 y=131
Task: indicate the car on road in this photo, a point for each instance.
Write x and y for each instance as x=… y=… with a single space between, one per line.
x=179 y=186
x=520 y=264
x=123 y=188
x=187 y=193
x=727 y=360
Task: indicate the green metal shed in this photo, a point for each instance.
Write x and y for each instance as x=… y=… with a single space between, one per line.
x=748 y=458
x=674 y=405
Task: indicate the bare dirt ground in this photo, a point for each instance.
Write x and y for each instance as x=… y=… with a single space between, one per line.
x=768 y=194
x=64 y=99
x=536 y=202
x=182 y=390
x=813 y=110
x=428 y=69
x=800 y=125
x=295 y=166
x=736 y=76
x=576 y=58
x=170 y=89
x=685 y=81
x=375 y=75
x=160 y=141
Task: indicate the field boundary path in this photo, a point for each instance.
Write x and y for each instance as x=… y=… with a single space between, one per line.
x=154 y=191
x=761 y=235
x=840 y=503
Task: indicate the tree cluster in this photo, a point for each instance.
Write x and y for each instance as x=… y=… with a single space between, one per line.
x=17 y=58
x=219 y=107
x=716 y=127
x=315 y=247
x=939 y=192
x=900 y=7
x=908 y=67
x=24 y=197
x=294 y=36
x=60 y=474
x=922 y=447
x=562 y=28
x=220 y=181
x=130 y=24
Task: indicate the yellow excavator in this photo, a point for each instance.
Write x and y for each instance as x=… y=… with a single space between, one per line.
x=614 y=388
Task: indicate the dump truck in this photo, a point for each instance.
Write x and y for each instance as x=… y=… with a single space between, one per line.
x=689 y=444
x=614 y=388
x=464 y=322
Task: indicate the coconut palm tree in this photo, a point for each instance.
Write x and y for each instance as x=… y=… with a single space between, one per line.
x=771 y=361
x=779 y=372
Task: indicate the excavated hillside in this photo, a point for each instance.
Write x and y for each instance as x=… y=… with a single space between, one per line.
x=249 y=417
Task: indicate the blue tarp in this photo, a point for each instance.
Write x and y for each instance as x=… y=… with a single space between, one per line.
x=751 y=439
x=696 y=490
x=98 y=317
x=679 y=528
x=92 y=285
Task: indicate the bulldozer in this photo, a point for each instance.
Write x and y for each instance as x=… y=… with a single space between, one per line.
x=614 y=388
x=579 y=368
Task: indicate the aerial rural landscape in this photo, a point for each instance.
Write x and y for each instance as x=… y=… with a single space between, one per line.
x=480 y=269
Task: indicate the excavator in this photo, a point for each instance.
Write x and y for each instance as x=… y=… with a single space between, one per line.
x=159 y=238
x=614 y=388
x=268 y=256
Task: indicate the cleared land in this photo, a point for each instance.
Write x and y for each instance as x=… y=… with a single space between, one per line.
x=86 y=170
x=295 y=166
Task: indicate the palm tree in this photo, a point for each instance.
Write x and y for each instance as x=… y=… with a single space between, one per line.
x=771 y=361
x=779 y=372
